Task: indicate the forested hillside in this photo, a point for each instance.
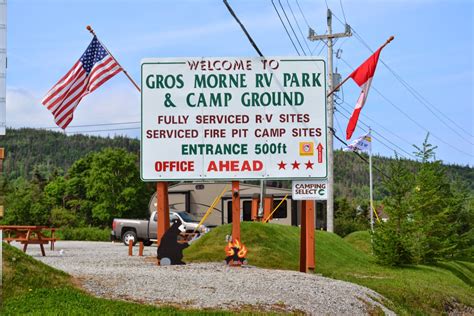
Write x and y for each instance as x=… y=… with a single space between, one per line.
x=42 y=152
x=28 y=150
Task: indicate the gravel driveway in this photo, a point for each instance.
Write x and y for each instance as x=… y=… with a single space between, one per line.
x=106 y=270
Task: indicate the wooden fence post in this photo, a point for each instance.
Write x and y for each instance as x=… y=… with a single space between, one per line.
x=130 y=246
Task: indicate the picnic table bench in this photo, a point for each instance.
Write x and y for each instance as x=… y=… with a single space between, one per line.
x=27 y=235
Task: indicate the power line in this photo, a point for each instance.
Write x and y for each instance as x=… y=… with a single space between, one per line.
x=291 y=26
x=104 y=130
x=309 y=27
x=366 y=131
x=93 y=125
x=231 y=11
x=379 y=134
x=417 y=95
x=286 y=30
x=359 y=155
x=337 y=121
x=401 y=111
x=378 y=124
x=409 y=117
x=298 y=25
x=343 y=13
x=304 y=17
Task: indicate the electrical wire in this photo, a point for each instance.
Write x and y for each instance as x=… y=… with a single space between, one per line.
x=104 y=130
x=291 y=27
x=304 y=17
x=298 y=25
x=231 y=11
x=376 y=132
x=286 y=30
x=337 y=121
x=343 y=13
x=366 y=131
x=359 y=155
x=93 y=125
x=365 y=116
x=307 y=24
x=320 y=52
x=410 y=118
x=389 y=101
x=416 y=94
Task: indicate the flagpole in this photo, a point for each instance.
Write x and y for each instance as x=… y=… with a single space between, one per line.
x=372 y=210
x=344 y=81
x=89 y=28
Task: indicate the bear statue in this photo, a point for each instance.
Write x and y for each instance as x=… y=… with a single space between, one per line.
x=169 y=247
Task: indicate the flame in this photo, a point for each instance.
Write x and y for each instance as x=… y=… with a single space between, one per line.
x=242 y=252
x=229 y=249
x=237 y=244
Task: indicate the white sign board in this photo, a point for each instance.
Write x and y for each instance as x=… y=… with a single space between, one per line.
x=233 y=118
x=309 y=190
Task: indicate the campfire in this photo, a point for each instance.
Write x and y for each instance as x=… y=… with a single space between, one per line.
x=236 y=253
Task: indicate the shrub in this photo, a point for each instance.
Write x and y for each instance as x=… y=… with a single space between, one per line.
x=85 y=233
x=390 y=247
x=345 y=226
x=61 y=217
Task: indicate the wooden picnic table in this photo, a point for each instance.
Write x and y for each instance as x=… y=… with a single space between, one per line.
x=29 y=235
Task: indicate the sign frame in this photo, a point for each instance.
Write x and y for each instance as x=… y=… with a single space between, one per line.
x=182 y=60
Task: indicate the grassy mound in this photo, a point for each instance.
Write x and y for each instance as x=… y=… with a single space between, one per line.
x=417 y=289
x=360 y=240
x=33 y=288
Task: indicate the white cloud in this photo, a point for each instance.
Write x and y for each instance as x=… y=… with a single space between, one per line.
x=112 y=103
x=24 y=109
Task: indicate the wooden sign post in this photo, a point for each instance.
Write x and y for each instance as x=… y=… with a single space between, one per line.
x=307 y=237
x=235 y=211
x=162 y=210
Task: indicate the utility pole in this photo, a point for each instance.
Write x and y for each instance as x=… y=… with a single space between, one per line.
x=330 y=114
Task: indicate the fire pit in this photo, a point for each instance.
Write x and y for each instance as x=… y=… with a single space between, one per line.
x=236 y=253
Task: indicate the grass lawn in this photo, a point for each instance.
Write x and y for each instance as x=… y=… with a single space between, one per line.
x=411 y=290
x=33 y=288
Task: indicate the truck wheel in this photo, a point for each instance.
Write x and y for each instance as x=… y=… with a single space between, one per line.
x=129 y=235
x=147 y=243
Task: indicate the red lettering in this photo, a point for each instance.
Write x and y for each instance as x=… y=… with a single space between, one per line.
x=178 y=166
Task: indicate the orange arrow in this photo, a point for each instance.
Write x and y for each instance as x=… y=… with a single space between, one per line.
x=320 y=153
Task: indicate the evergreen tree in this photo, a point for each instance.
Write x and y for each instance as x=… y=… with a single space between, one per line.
x=392 y=242
x=437 y=211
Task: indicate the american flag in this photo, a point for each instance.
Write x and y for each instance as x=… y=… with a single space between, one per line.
x=94 y=68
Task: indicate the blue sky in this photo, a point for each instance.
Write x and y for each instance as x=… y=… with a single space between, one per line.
x=432 y=52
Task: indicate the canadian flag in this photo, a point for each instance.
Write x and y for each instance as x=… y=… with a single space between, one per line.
x=363 y=77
